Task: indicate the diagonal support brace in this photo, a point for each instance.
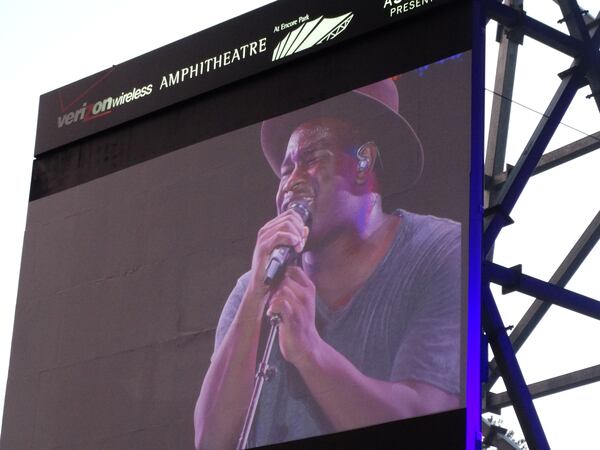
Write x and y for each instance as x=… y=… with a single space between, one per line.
x=518 y=177
x=513 y=279
x=511 y=373
x=561 y=383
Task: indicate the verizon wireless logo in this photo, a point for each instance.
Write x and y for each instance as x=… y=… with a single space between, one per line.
x=304 y=34
x=90 y=111
x=310 y=34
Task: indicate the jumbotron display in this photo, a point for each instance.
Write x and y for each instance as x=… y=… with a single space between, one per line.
x=256 y=236
x=363 y=323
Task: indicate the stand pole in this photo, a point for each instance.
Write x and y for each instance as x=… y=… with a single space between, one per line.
x=264 y=373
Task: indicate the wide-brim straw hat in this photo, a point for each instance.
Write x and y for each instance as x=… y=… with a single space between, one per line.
x=373 y=108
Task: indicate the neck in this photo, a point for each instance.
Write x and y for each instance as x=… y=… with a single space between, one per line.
x=339 y=267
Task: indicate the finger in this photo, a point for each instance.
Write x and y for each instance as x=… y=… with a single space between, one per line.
x=301 y=298
x=280 y=225
x=294 y=213
x=283 y=292
x=281 y=306
x=300 y=246
x=290 y=217
x=279 y=238
x=297 y=275
x=282 y=233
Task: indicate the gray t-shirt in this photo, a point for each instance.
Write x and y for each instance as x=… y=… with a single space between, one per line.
x=403 y=324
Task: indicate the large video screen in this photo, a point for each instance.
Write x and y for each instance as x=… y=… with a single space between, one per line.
x=364 y=218
x=282 y=261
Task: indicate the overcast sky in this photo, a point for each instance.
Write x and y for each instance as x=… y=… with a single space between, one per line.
x=45 y=45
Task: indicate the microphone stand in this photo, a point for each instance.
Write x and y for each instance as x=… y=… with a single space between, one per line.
x=279 y=258
x=264 y=373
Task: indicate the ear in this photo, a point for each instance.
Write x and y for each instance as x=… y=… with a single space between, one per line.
x=366 y=156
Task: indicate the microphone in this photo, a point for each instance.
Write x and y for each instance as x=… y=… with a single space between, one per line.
x=282 y=255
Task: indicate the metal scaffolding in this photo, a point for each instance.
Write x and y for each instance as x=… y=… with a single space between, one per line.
x=502 y=189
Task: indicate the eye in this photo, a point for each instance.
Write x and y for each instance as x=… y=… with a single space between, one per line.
x=313 y=158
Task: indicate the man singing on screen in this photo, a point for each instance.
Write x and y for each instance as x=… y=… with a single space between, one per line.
x=370 y=317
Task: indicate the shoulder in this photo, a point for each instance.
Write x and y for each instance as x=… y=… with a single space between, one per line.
x=426 y=234
x=419 y=224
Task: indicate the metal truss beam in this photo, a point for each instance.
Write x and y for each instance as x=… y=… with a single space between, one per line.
x=587 y=16
x=511 y=373
x=502 y=191
x=585 y=65
x=495 y=402
x=501 y=107
x=561 y=277
x=518 y=20
x=574 y=19
x=513 y=280
x=578 y=26
x=557 y=157
x=568 y=153
x=518 y=177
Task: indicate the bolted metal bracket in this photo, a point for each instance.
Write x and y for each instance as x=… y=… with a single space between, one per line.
x=508 y=288
x=498 y=209
x=266 y=372
x=581 y=12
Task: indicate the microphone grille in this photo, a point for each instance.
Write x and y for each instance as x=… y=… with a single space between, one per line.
x=301 y=207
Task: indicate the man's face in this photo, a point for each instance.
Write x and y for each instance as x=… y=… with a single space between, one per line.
x=320 y=169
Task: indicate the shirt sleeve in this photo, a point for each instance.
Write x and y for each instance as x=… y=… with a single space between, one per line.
x=429 y=351
x=230 y=309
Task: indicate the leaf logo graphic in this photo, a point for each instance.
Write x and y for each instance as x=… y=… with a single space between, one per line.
x=310 y=34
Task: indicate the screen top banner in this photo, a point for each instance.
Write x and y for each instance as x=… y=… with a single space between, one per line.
x=269 y=36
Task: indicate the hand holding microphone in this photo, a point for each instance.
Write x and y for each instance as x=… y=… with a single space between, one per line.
x=282 y=255
x=292 y=296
